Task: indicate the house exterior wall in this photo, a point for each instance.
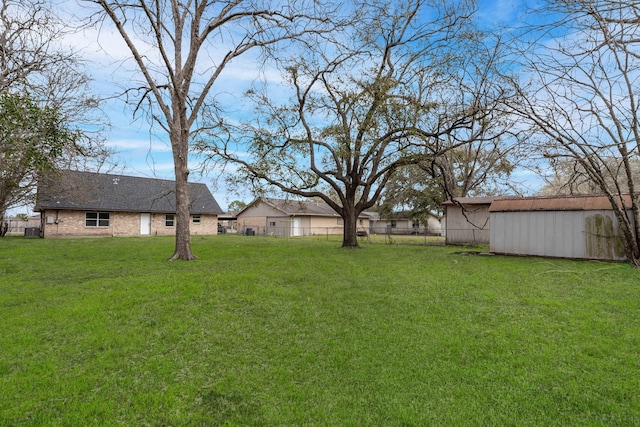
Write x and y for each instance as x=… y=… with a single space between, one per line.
x=282 y=225
x=591 y=234
x=405 y=226
x=66 y=223
x=326 y=225
x=333 y=225
x=434 y=226
x=278 y=225
x=309 y=225
x=259 y=224
x=288 y=225
x=260 y=210
x=263 y=218
x=257 y=217
x=208 y=225
x=471 y=228
x=382 y=226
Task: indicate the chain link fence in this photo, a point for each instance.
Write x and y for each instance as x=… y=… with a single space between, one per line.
x=386 y=235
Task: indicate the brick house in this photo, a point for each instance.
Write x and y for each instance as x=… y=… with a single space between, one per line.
x=88 y=204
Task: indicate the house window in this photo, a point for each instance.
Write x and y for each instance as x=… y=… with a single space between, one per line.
x=393 y=223
x=169 y=220
x=361 y=222
x=340 y=221
x=195 y=219
x=415 y=223
x=96 y=219
x=272 y=224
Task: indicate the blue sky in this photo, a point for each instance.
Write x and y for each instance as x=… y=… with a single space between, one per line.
x=143 y=152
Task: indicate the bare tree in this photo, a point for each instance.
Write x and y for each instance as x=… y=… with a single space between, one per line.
x=45 y=101
x=479 y=168
x=182 y=47
x=583 y=99
x=493 y=146
x=568 y=177
x=34 y=60
x=27 y=55
x=395 y=92
x=479 y=160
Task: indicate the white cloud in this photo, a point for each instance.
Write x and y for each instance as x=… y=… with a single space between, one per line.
x=492 y=12
x=138 y=145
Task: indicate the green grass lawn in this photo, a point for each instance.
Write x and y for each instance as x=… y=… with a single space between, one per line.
x=270 y=332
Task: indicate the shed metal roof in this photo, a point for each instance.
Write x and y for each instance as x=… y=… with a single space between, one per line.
x=79 y=190
x=557 y=203
x=471 y=200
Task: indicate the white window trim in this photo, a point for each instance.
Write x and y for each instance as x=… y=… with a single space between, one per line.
x=98 y=219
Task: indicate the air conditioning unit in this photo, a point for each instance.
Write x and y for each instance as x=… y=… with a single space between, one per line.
x=32 y=232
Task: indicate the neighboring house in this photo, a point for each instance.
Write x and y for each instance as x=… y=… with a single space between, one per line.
x=467 y=220
x=279 y=217
x=567 y=227
x=77 y=204
x=402 y=223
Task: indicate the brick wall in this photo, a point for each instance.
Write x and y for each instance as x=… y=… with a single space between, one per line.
x=208 y=225
x=72 y=224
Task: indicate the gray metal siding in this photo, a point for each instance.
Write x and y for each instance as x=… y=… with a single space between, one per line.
x=567 y=234
x=472 y=227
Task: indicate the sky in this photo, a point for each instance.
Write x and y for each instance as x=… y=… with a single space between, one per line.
x=143 y=152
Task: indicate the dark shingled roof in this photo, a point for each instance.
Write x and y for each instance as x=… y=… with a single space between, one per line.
x=75 y=190
x=299 y=207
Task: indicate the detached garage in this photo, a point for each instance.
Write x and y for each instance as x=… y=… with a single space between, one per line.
x=566 y=227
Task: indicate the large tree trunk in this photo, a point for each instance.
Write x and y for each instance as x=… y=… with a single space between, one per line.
x=4 y=226
x=180 y=160
x=350 y=236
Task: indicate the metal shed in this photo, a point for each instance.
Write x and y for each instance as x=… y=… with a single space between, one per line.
x=566 y=227
x=467 y=220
